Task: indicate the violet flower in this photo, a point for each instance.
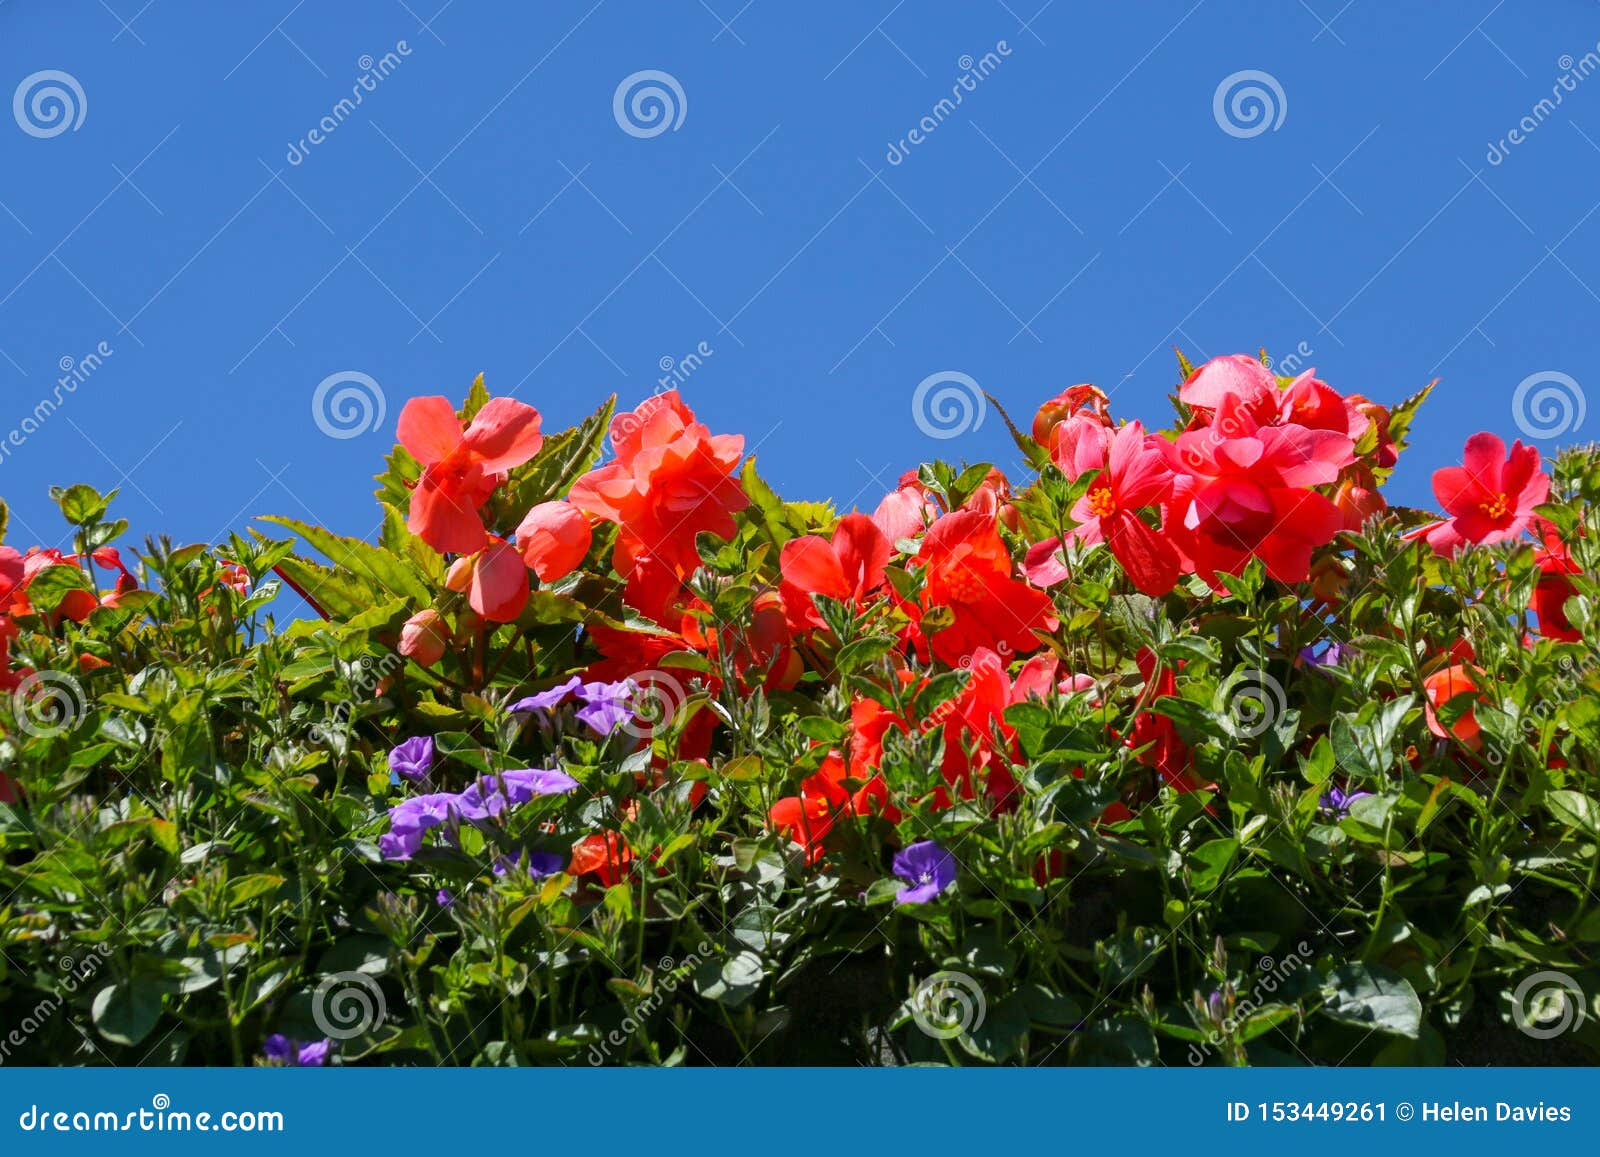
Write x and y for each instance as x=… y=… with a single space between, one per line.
x=494 y=793
x=927 y=868
x=409 y=819
x=606 y=705
x=548 y=700
x=537 y=865
x=413 y=759
x=1336 y=803
x=444 y=898
x=284 y=1051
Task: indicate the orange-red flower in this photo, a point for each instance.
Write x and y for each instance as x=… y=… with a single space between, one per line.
x=605 y=854
x=1556 y=566
x=968 y=570
x=1445 y=685
x=848 y=568
x=461 y=469
x=808 y=817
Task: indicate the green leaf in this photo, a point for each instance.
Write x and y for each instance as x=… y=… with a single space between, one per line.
x=125 y=1013
x=81 y=504
x=1373 y=997
x=561 y=461
x=53 y=584
x=1576 y=811
x=400 y=577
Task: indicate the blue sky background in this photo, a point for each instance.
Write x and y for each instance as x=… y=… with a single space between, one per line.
x=482 y=210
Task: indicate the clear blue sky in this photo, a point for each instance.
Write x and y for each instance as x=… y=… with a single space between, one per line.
x=482 y=210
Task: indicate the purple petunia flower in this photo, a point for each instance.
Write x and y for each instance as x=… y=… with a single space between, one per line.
x=606 y=705
x=413 y=759
x=927 y=868
x=538 y=865
x=444 y=898
x=284 y=1051
x=548 y=700
x=1336 y=803
x=409 y=819
x=494 y=793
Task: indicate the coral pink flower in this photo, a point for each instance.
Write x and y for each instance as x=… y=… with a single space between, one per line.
x=670 y=482
x=1490 y=497
x=1243 y=490
x=554 y=537
x=1082 y=399
x=424 y=637
x=1135 y=475
x=461 y=469
x=905 y=511
x=496 y=582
